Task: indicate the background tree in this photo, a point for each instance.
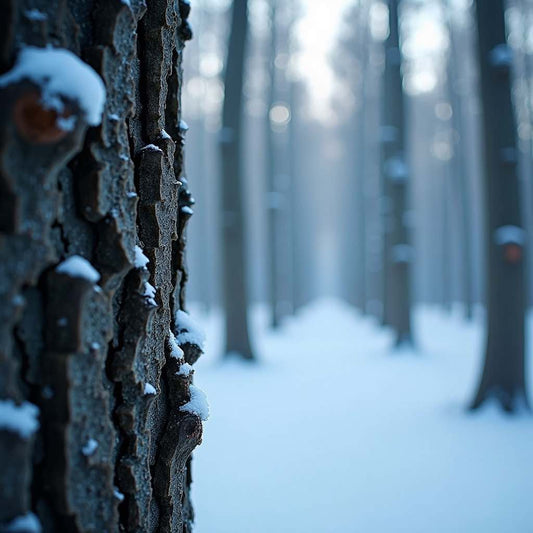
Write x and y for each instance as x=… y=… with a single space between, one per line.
x=235 y=300
x=461 y=183
x=273 y=200
x=98 y=416
x=503 y=373
x=397 y=247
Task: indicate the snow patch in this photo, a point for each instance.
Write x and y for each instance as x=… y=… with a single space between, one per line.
x=140 y=260
x=21 y=419
x=27 y=523
x=188 y=331
x=396 y=169
x=510 y=235
x=118 y=495
x=78 y=267
x=187 y=210
x=89 y=447
x=198 y=404
x=149 y=293
x=501 y=56
x=185 y=370
x=175 y=351
x=60 y=73
x=149 y=389
x=152 y=147
x=35 y=15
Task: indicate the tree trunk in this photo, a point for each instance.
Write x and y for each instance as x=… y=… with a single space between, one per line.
x=96 y=428
x=362 y=148
x=231 y=141
x=503 y=373
x=397 y=247
x=461 y=178
x=273 y=193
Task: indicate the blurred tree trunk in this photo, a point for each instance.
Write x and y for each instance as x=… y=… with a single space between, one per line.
x=395 y=172
x=273 y=200
x=231 y=142
x=461 y=179
x=363 y=31
x=503 y=373
x=91 y=344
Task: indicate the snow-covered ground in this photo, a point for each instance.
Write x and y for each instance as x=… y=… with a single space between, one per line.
x=332 y=433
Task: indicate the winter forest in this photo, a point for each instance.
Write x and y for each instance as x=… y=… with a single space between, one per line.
x=264 y=266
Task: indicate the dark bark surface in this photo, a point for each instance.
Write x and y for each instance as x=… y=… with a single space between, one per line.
x=503 y=375
x=108 y=455
x=395 y=171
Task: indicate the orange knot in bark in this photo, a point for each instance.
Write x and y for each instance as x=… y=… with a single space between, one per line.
x=512 y=253
x=38 y=124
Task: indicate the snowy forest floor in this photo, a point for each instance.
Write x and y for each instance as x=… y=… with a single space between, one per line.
x=331 y=432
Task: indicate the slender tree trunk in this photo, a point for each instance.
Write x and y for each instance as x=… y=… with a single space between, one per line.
x=96 y=428
x=397 y=246
x=503 y=375
x=461 y=179
x=296 y=285
x=273 y=193
x=231 y=142
x=445 y=239
x=361 y=177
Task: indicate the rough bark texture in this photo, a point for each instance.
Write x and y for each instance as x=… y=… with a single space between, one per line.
x=234 y=264
x=503 y=375
x=397 y=246
x=83 y=352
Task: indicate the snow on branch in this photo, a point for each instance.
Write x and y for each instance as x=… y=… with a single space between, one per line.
x=175 y=351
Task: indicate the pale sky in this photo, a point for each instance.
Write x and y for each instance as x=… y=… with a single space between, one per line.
x=318 y=30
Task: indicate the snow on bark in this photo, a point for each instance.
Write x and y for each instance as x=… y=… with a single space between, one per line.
x=188 y=331
x=20 y=419
x=78 y=267
x=175 y=351
x=27 y=523
x=510 y=235
x=198 y=403
x=60 y=74
x=140 y=260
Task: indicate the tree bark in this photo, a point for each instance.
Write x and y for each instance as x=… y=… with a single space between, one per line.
x=503 y=375
x=395 y=172
x=231 y=142
x=91 y=342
